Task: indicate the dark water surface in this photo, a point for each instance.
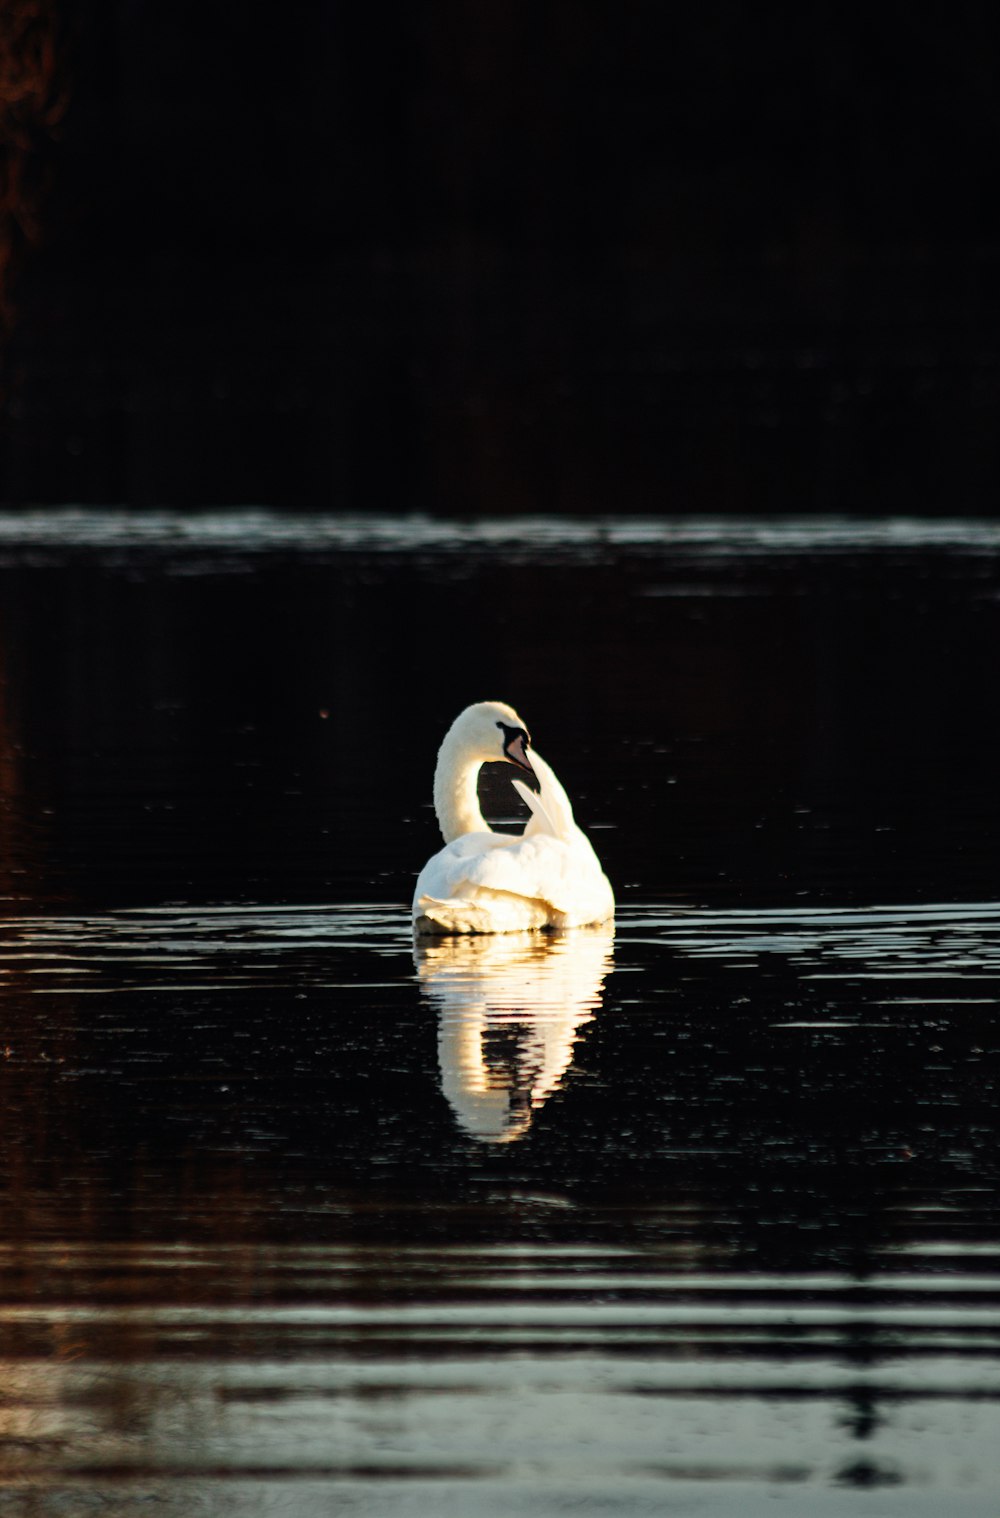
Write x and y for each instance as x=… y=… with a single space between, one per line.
x=698 y=1217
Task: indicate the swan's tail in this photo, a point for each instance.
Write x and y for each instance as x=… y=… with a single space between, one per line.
x=493 y=912
x=432 y=915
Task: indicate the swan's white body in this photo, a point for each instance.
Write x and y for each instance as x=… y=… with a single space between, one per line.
x=486 y=882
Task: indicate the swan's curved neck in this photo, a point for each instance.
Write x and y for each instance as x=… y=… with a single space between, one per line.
x=456 y=799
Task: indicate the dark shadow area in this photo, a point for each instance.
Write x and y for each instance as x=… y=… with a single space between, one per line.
x=501 y=258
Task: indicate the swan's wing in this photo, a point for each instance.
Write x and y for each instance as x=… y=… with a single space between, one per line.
x=443 y=876
x=539 y=869
x=564 y=875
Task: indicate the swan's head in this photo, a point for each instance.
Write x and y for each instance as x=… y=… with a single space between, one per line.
x=491 y=731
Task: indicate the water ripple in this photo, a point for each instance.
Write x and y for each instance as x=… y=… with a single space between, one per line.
x=636 y=1352
x=178 y=1371
x=953 y=942
x=250 y=532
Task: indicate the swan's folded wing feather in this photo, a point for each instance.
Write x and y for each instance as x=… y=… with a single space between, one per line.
x=549 y=805
x=541 y=819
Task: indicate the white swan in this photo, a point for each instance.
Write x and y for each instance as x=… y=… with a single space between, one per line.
x=486 y=882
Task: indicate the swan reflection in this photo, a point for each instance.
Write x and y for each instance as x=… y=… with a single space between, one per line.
x=510 y=1008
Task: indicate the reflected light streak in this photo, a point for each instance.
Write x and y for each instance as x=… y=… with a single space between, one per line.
x=511 y=1008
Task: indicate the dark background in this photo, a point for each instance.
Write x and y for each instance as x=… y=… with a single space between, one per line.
x=490 y=257
x=185 y=724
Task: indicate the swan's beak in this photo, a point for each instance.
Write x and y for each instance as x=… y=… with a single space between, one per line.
x=516 y=754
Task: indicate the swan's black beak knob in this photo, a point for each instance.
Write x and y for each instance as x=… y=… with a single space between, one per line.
x=516 y=750
x=515 y=746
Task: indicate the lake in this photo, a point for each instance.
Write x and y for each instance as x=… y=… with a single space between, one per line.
x=695 y=1216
